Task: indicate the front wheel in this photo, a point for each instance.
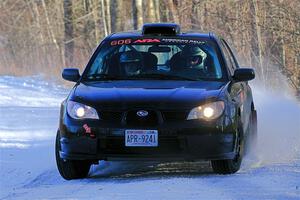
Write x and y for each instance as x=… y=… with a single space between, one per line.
x=253 y=131
x=70 y=169
x=230 y=166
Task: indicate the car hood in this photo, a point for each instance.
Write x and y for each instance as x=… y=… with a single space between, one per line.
x=146 y=94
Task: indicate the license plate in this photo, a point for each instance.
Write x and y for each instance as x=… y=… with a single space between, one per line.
x=141 y=138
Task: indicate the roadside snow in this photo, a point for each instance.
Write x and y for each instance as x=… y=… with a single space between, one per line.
x=29 y=91
x=28 y=124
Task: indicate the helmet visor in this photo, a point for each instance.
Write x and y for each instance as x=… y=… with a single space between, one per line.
x=194 y=60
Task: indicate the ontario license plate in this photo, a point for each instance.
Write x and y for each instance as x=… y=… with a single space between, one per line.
x=141 y=138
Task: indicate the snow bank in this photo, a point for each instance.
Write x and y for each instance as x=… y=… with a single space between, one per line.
x=29 y=110
x=29 y=91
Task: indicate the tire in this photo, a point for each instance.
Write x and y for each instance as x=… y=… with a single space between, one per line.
x=70 y=169
x=231 y=166
x=252 y=143
x=254 y=129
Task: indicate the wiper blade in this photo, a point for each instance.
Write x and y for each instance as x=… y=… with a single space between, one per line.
x=104 y=77
x=161 y=77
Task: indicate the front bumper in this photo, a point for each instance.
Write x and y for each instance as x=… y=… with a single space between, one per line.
x=189 y=140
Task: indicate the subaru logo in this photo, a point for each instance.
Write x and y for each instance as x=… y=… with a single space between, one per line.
x=142 y=113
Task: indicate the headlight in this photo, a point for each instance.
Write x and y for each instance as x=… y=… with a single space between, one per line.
x=81 y=111
x=208 y=111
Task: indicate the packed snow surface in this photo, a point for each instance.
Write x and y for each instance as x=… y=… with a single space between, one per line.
x=29 y=111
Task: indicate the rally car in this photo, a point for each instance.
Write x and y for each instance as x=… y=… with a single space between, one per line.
x=157 y=95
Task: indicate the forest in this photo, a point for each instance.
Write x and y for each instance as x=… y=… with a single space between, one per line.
x=44 y=36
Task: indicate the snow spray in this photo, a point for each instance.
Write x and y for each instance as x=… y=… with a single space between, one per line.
x=278 y=126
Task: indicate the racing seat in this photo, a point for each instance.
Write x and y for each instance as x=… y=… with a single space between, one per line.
x=177 y=62
x=209 y=65
x=113 y=68
x=150 y=62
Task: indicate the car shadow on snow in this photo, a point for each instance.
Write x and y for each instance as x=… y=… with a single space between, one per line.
x=124 y=172
x=140 y=170
x=127 y=171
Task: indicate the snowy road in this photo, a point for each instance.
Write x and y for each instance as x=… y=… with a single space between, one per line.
x=28 y=120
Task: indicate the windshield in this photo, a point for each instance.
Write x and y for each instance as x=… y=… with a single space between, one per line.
x=163 y=58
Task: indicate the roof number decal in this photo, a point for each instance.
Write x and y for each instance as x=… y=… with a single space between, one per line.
x=129 y=41
x=120 y=42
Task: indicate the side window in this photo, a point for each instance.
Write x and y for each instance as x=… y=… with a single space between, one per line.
x=234 y=61
x=100 y=63
x=229 y=59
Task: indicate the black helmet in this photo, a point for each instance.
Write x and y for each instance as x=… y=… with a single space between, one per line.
x=131 y=61
x=193 y=55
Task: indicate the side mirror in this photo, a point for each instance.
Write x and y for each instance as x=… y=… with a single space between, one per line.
x=71 y=74
x=243 y=74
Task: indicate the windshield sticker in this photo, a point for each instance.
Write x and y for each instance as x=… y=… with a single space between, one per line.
x=149 y=40
x=182 y=41
x=129 y=41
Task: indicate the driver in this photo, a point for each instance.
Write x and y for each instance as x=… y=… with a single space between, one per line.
x=193 y=56
x=131 y=62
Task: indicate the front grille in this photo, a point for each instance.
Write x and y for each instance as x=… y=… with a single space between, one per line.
x=132 y=119
x=171 y=116
x=152 y=119
x=111 y=116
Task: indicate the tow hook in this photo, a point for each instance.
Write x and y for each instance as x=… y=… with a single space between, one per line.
x=88 y=131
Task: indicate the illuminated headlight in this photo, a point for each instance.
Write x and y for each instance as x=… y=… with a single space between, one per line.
x=208 y=111
x=81 y=111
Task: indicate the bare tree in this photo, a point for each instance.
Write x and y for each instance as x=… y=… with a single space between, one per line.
x=151 y=11
x=172 y=4
x=257 y=45
x=104 y=18
x=68 y=38
x=137 y=14
x=96 y=19
x=41 y=36
x=156 y=10
x=116 y=11
x=108 y=15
